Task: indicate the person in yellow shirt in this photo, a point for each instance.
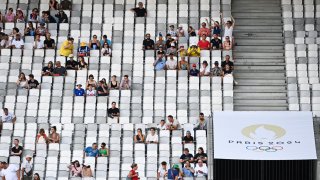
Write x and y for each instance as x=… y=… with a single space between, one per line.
x=67 y=48
x=194 y=51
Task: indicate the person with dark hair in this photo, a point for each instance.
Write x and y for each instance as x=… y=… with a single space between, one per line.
x=86 y=172
x=54 y=137
x=114 y=84
x=38 y=43
x=216 y=70
x=186 y=156
x=10 y=172
x=65 y=5
x=53 y=5
x=113 y=112
x=204 y=44
x=139 y=137
x=227 y=44
x=47 y=70
x=36 y=176
x=10 y=16
x=91 y=82
x=172 y=124
x=106 y=50
x=34 y=16
x=14 y=32
x=102 y=90
x=125 y=83
x=202 y=123
x=90 y=91
x=75 y=169
x=71 y=63
x=162 y=125
x=204 y=30
x=59 y=70
x=215 y=27
x=160 y=62
x=148 y=43
x=22 y=81
x=216 y=43
x=32 y=83
x=42 y=137
x=62 y=17
x=105 y=40
x=191 y=31
x=83 y=50
x=49 y=43
x=20 y=16
x=7 y=117
x=29 y=30
x=79 y=91
x=227 y=62
x=92 y=151
x=162 y=171
x=5 y=42
x=188 y=138
x=139 y=11
x=16 y=150
x=17 y=42
x=174 y=172
x=67 y=47
x=103 y=151
x=82 y=63
x=152 y=137
x=94 y=44
x=133 y=175
x=205 y=69
x=47 y=18
x=187 y=170
x=201 y=156
x=42 y=30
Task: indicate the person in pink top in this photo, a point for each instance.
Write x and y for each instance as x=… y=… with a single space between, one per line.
x=75 y=169
x=204 y=30
x=10 y=16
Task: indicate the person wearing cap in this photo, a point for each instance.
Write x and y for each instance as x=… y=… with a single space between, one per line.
x=49 y=43
x=32 y=83
x=183 y=64
x=204 y=44
x=186 y=156
x=216 y=43
x=180 y=31
x=194 y=71
x=20 y=16
x=172 y=31
x=79 y=91
x=194 y=50
x=159 y=63
x=38 y=44
x=139 y=11
x=83 y=50
x=205 y=69
x=204 y=30
x=42 y=30
x=105 y=40
x=26 y=168
x=201 y=169
x=201 y=124
x=171 y=63
x=67 y=48
x=188 y=138
x=148 y=43
x=172 y=124
x=162 y=125
x=161 y=50
x=162 y=171
x=160 y=42
x=17 y=42
x=182 y=51
x=71 y=63
x=59 y=70
x=10 y=171
x=152 y=137
x=174 y=172
x=216 y=70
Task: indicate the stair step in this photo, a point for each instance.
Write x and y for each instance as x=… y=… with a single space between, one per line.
x=260 y=108
x=258 y=91
x=259 y=102
x=271 y=75
x=239 y=54
x=265 y=87
x=257 y=95
x=243 y=21
x=257 y=27
x=260 y=68
x=253 y=10
x=257 y=34
x=258 y=47
x=260 y=8
x=256 y=42
x=266 y=4
x=259 y=60
x=254 y=63
x=257 y=14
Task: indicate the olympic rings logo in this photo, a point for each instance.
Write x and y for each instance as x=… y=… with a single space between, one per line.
x=264 y=148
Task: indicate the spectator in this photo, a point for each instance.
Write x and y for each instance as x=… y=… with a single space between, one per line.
x=170 y=41
x=201 y=156
x=103 y=151
x=104 y=82
x=32 y=83
x=42 y=137
x=194 y=51
x=114 y=84
x=106 y=50
x=216 y=70
x=47 y=18
x=102 y=90
x=180 y=31
x=91 y=91
x=62 y=17
x=91 y=82
x=171 y=50
x=17 y=43
x=183 y=52
x=152 y=137
x=75 y=169
x=188 y=138
x=34 y=16
x=67 y=48
x=215 y=28
x=186 y=156
x=14 y=32
x=163 y=171
x=10 y=172
x=27 y=167
x=83 y=50
x=92 y=151
x=191 y=31
x=160 y=62
x=59 y=70
x=42 y=30
x=203 y=44
x=16 y=150
x=148 y=43
x=19 y=16
x=228 y=28
x=10 y=16
x=201 y=169
x=79 y=91
x=139 y=138
x=216 y=43
x=183 y=64
x=202 y=123
x=5 y=42
x=66 y=5
x=38 y=44
x=160 y=42
x=227 y=44
x=94 y=44
x=82 y=64
x=71 y=63
x=105 y=40
x=171 y=63
x=161 y=50
x=53 y=5
x=174 y=172
x=187 y=170
x=54 y=137
x=139 y=11
x=47 y=70
x=30 y=30
x=172 y=124
x=204 y=30
x=22 y=81
x=49 y=42
x=205 y=69
x=2 y=20
x=162 y=125
x=36 y=176
x=172 y=31
x=227 y=70
x=125 y=83
x=227 y=62
x=86 y=171
x=194 y=71
x=114 y=112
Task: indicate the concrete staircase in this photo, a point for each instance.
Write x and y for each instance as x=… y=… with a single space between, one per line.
x=259 y=56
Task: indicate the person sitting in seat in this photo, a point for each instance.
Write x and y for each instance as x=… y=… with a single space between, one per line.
x=114 y=112
x=66 y=5
x=90 y=91
x=54 y=137
x=227 y=44
x=27 y=168
x=94 y=44
x=201 y=170
x=163 y=171
x=59 y=70
x=204 y=30
x=139 y=11
x=202 y=123
x=34 y=16
x=172 y=31
x=172 y=124
x=139 y=138
x=187 y=170
x=106 y=50
x=160 y=62
x=180 y=31
x=42 y=137
x=171 y=63
x=22 y=81
x=205 y=69
x=188 y=138
x=10 y=171
x=216 y=70
x=83 y=50
x=71 y=63
x=186 y=156
x=103 y=151
x=17 y=43
x=160 y=42
x=162 y=125
x=10 y=16
x=29 y=30
x=148 y=43
x=194 y=51
x=49 y=43
x=228 y=28
x=38 y=43
x=227 y=62
x=82 y=63
x=42 y=30
x=152 y=137
x=47 y=70
x=215 y=28
x=191 y=31
x=5 y=42
x=203 y=44
x=16 y=150
x=91 y=82
x=32 y=83
x=201 y=156
x=183 y=64
x=216 y=43
x=114 y=84
x=79 y=91
x=182 y=51
x=92 y=151
x=105 y=40
x=125 y=83
x=75 y=169
x=102 y=90
x=174 y=172
x=62 y=17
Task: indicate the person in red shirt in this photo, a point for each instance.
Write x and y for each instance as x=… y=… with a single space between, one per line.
x=203 y=44
x=133 y=175
x=204 y=30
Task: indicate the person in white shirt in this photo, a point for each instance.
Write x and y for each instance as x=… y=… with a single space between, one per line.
x=38 y=44
x=201 y=169
x=162 y=125
x=5 y=42
x=10 y=172
x=172 y=31
x=228 y=28
x=171 y=63
x=205 y=69
x=6 y=117
x=17 y=43
x=90 y=91
x=163 y=170
x=172 y=124
x=26 y=168
x=152 y=137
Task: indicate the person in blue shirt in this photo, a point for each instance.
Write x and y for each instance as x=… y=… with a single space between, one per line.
x=174 y=172
x=160 y=62
x=91 y=151
x=83 y=50
x=187 y=170
x=105 y=40
x=194 y=71
x=79 y=91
